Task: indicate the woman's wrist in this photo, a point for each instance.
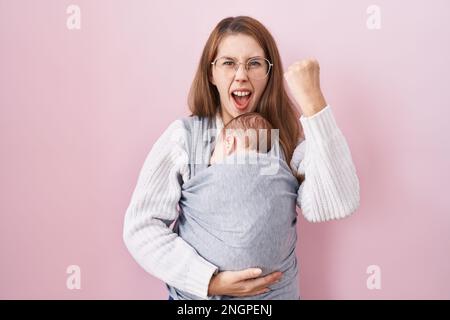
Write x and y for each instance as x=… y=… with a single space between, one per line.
x=211 y=286
x=313 y=105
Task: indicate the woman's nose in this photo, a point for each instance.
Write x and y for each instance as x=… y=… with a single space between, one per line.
x=241 y=73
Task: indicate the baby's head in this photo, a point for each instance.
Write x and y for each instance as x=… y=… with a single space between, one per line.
x=247 y=132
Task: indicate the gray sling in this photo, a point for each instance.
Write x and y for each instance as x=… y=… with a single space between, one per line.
x=239 y=215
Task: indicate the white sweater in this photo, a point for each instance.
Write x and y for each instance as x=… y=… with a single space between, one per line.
x=330 y=191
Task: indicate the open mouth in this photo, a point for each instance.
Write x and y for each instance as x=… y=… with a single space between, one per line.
x=241 y=99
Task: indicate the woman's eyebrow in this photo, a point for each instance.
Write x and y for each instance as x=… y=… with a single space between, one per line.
x=233 y=58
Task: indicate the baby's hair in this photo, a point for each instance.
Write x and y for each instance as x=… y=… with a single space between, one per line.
x=251 y=120
x=254 y=120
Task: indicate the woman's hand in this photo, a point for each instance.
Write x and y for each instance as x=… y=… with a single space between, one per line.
x=303 y=79
x=241 y=283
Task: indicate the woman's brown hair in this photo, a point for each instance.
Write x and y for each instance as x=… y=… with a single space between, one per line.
x=274 y=104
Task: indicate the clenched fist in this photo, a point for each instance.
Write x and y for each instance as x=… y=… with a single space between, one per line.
x=303 y=79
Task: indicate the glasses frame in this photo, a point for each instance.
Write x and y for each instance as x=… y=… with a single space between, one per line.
x=238 y=64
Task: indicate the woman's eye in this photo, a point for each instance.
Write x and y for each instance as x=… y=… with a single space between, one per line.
x=255 y=63
x=228 y=63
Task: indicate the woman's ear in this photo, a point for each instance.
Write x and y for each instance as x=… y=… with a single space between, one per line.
x=211 y=79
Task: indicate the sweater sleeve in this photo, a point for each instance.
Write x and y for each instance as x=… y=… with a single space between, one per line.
x=153 y=208
x=330 y=189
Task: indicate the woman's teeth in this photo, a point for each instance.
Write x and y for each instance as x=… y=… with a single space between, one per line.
x=241 y=93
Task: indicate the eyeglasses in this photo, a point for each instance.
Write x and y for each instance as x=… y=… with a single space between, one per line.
x=257 y=68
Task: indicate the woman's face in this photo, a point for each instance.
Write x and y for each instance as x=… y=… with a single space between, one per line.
x=241 y=47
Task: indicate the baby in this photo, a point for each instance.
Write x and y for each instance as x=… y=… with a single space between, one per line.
x=246 y=134
x=237 y=217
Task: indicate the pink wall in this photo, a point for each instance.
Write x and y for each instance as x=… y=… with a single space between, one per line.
x=80 y=109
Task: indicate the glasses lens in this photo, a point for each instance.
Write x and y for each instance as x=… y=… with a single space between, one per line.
x=257 y=68
x=226 y=65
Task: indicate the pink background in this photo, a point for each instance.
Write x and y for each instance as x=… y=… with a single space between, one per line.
x=80 y=109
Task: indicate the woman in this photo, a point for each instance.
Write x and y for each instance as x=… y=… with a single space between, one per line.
x=318 y=155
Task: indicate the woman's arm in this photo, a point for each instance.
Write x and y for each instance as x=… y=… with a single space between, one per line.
x=152 y=209
x=331 y=187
